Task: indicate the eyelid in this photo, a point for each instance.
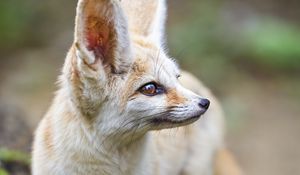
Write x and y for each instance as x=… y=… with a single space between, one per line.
x=162 y=89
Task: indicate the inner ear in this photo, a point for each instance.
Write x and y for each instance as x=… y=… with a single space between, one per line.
x=101 y=33
x=99 y=36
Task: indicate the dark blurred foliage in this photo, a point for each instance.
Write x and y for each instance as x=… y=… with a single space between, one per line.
x=33 y=23
x=222 y=34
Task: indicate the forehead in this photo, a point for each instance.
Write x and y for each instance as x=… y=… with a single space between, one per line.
x=153 y=61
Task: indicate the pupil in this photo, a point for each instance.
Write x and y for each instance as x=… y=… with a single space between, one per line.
x=150 y=88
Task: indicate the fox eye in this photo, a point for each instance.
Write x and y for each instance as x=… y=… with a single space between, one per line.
x=151 y=89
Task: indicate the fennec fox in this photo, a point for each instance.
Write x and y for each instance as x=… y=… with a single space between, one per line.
x=121 y=109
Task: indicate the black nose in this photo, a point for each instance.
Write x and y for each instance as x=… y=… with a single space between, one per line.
x=204 y=103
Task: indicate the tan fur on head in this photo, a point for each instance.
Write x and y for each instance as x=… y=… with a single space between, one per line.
x=173 y=98
x=117 y=88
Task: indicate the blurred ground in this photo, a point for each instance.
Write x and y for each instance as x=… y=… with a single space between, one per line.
x=247 y=52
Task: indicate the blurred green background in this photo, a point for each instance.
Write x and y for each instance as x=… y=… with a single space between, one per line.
x=246 y=51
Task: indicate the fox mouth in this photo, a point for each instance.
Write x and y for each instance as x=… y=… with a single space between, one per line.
x=172 y=122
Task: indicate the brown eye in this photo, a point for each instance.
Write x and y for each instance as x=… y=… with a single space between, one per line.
x=151 y=89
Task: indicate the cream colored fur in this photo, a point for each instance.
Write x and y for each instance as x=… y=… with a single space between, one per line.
x=100 y=124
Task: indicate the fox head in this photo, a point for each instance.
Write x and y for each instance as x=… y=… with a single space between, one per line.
x=117 y=74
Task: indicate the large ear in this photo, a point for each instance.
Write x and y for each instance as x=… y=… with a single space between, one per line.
x=101 y=35
x=146 y=18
